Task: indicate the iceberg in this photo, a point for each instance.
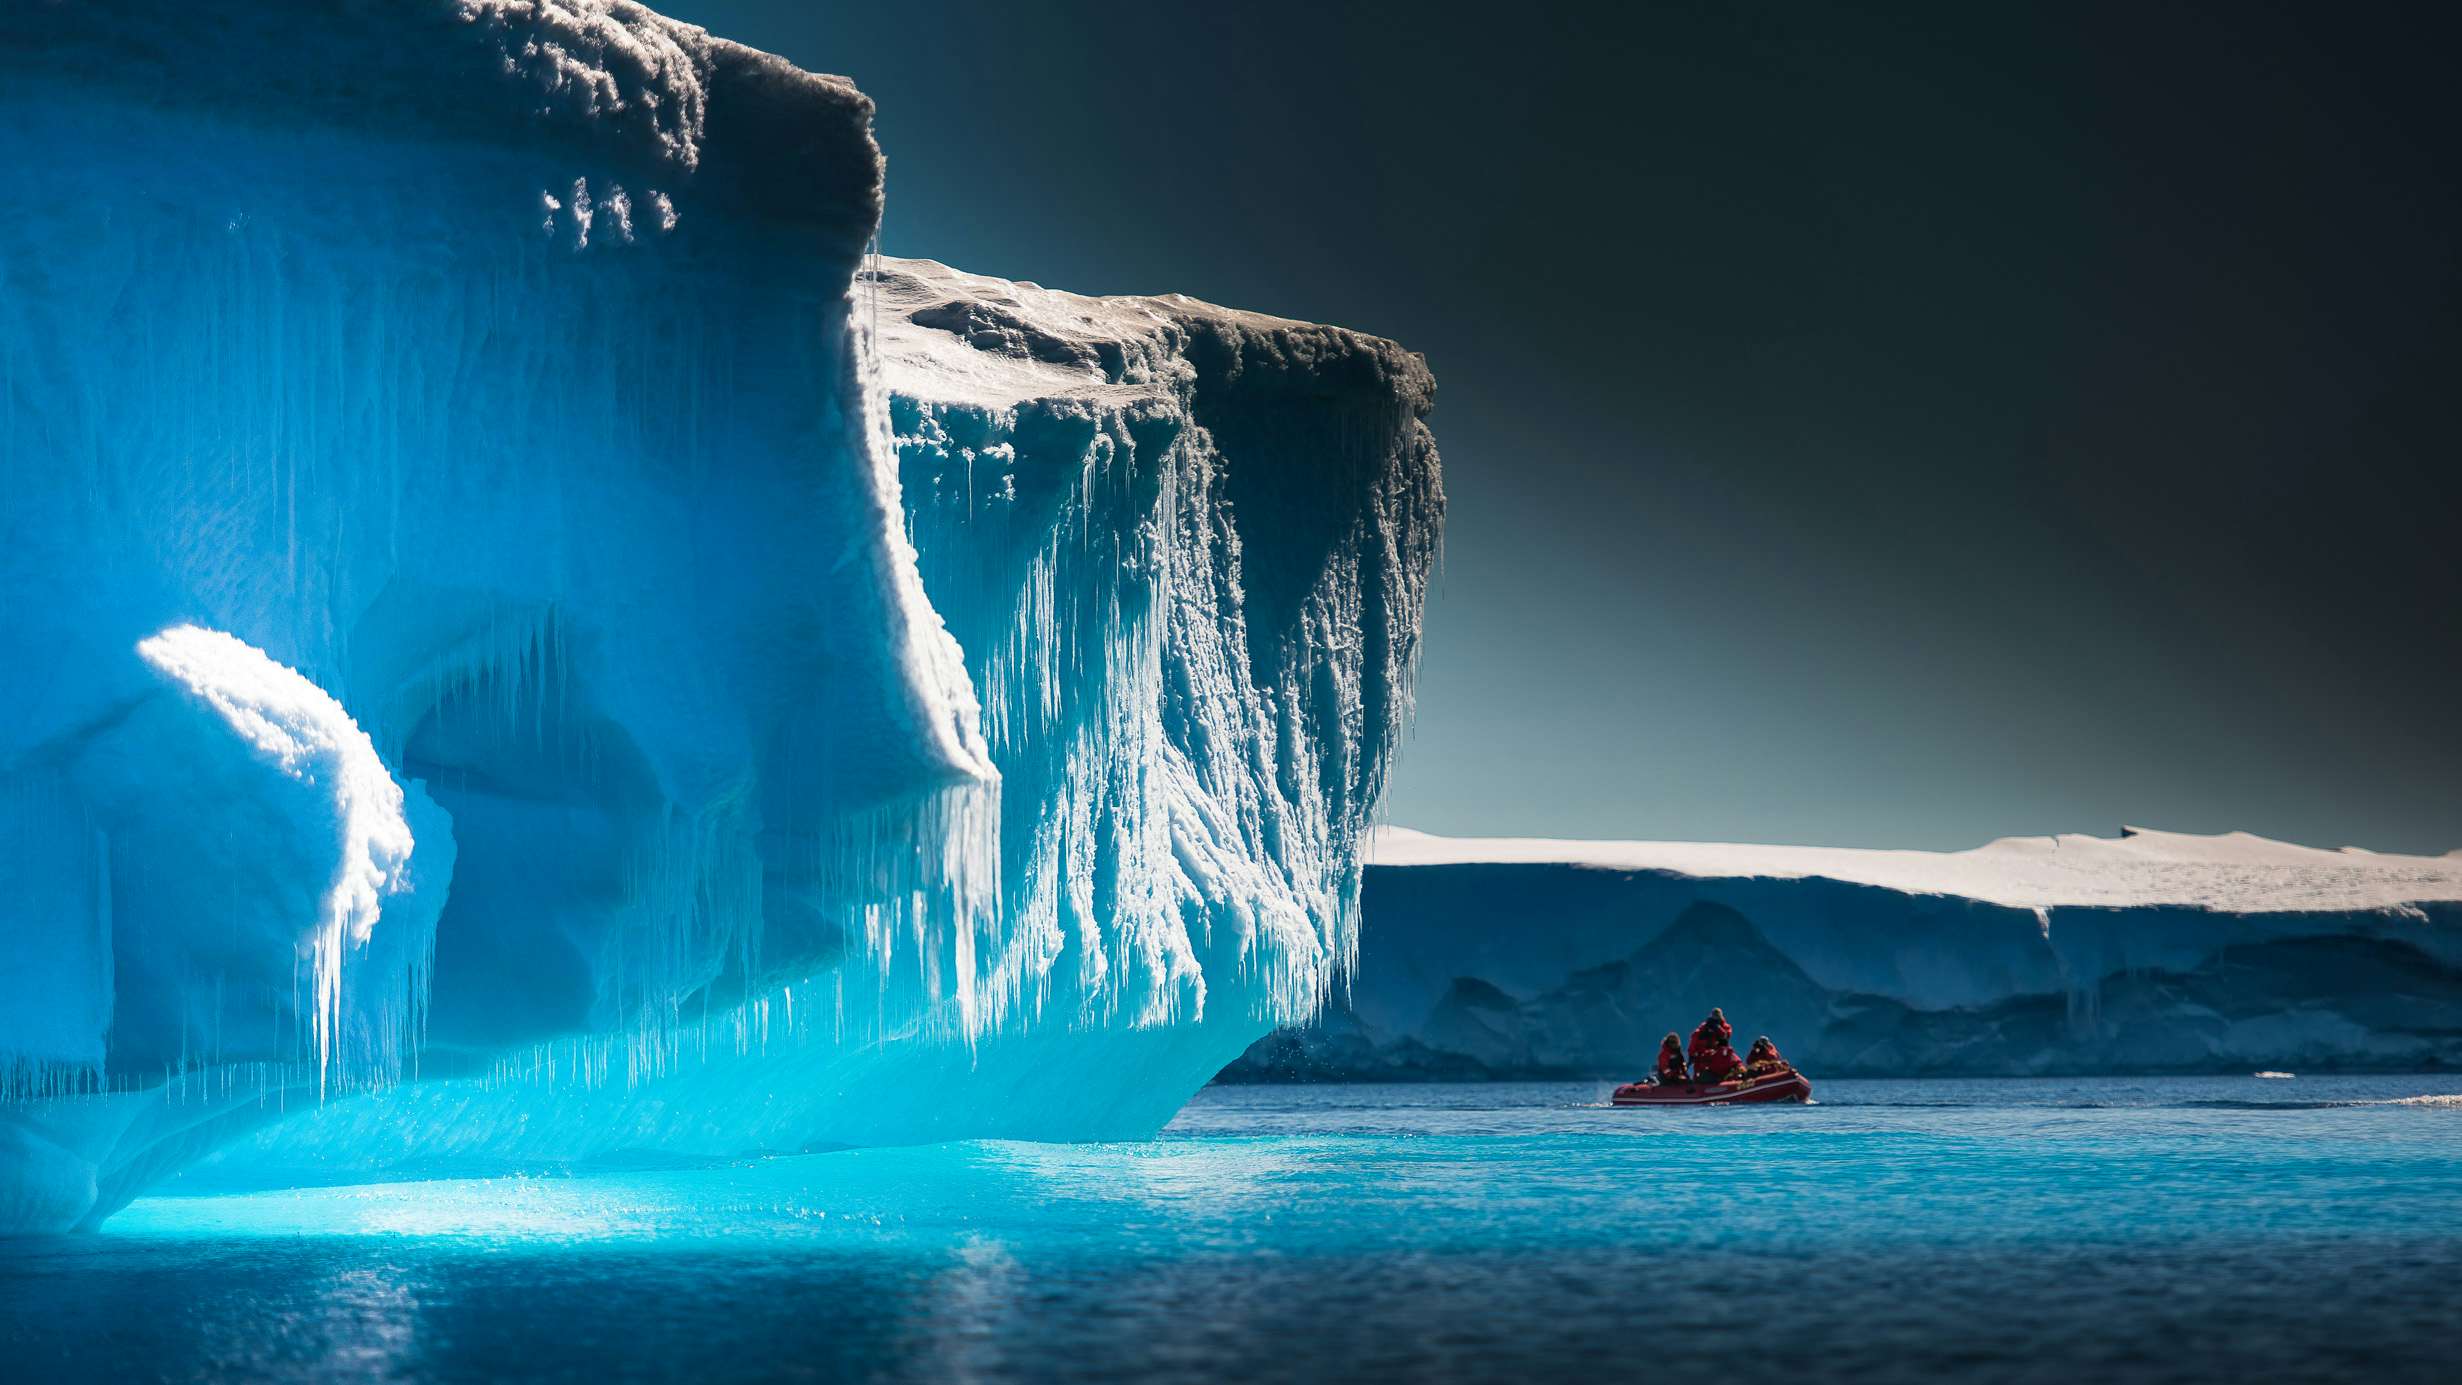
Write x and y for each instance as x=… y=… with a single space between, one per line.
x=522 y=639
x=2149 y=952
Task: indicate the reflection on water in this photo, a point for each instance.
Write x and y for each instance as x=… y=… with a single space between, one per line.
x=968 y=1314
x=2184 y=1229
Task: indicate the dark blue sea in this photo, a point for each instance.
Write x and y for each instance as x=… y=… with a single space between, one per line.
x=2114 y=1230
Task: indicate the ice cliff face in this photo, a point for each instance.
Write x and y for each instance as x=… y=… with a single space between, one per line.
x=2150 y=952
x=1186 y=549
x=492 y=615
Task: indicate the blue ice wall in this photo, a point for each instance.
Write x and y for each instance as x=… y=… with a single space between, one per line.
x=468 y=692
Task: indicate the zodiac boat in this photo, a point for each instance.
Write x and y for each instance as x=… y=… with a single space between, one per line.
x=1784 y=1085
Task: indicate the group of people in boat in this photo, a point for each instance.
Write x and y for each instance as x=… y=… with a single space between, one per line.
x=1712 y=1058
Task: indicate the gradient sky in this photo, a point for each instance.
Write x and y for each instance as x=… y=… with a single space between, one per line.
x=1863 y=426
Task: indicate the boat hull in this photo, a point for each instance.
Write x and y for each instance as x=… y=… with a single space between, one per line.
x=1780 y=1086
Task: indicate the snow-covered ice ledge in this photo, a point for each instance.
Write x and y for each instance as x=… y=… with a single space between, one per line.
x=576 y=745
x=2146 y=952
x=2231 y=872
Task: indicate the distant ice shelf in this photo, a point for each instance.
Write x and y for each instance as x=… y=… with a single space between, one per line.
x=522 y=641
x=2146 y=952
x=2233 y=872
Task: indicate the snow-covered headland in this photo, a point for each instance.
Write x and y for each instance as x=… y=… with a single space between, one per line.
x=520 y=640
x=2146 y=952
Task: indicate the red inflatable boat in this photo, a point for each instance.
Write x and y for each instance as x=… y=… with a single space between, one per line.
x=1787 y=1085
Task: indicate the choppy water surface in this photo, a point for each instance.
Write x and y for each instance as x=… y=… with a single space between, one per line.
x=2151 y=1230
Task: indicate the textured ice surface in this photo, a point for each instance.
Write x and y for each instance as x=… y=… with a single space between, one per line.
x=2152 y=951
x=1186 y=549
x=2233 y=872
x=468 y=687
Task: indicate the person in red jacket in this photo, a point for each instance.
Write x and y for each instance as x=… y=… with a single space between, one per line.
x=1671 y=1062
x=1763 y=1058
x=1713 y=1049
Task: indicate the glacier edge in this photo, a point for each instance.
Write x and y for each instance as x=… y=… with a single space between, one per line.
x=2150 y=952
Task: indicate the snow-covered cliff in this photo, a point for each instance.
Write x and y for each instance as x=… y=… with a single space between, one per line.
x=2149 y=952
x=513 y=646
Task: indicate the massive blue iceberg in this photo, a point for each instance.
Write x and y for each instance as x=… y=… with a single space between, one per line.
x=2145 y=953
x=521 y=641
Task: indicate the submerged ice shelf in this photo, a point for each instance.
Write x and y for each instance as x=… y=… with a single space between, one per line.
x=2148 y=952
x=518 y=641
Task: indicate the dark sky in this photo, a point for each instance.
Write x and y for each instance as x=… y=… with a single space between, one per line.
x=1865 y=425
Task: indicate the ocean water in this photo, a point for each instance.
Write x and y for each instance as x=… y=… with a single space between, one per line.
x=2172 y=1229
